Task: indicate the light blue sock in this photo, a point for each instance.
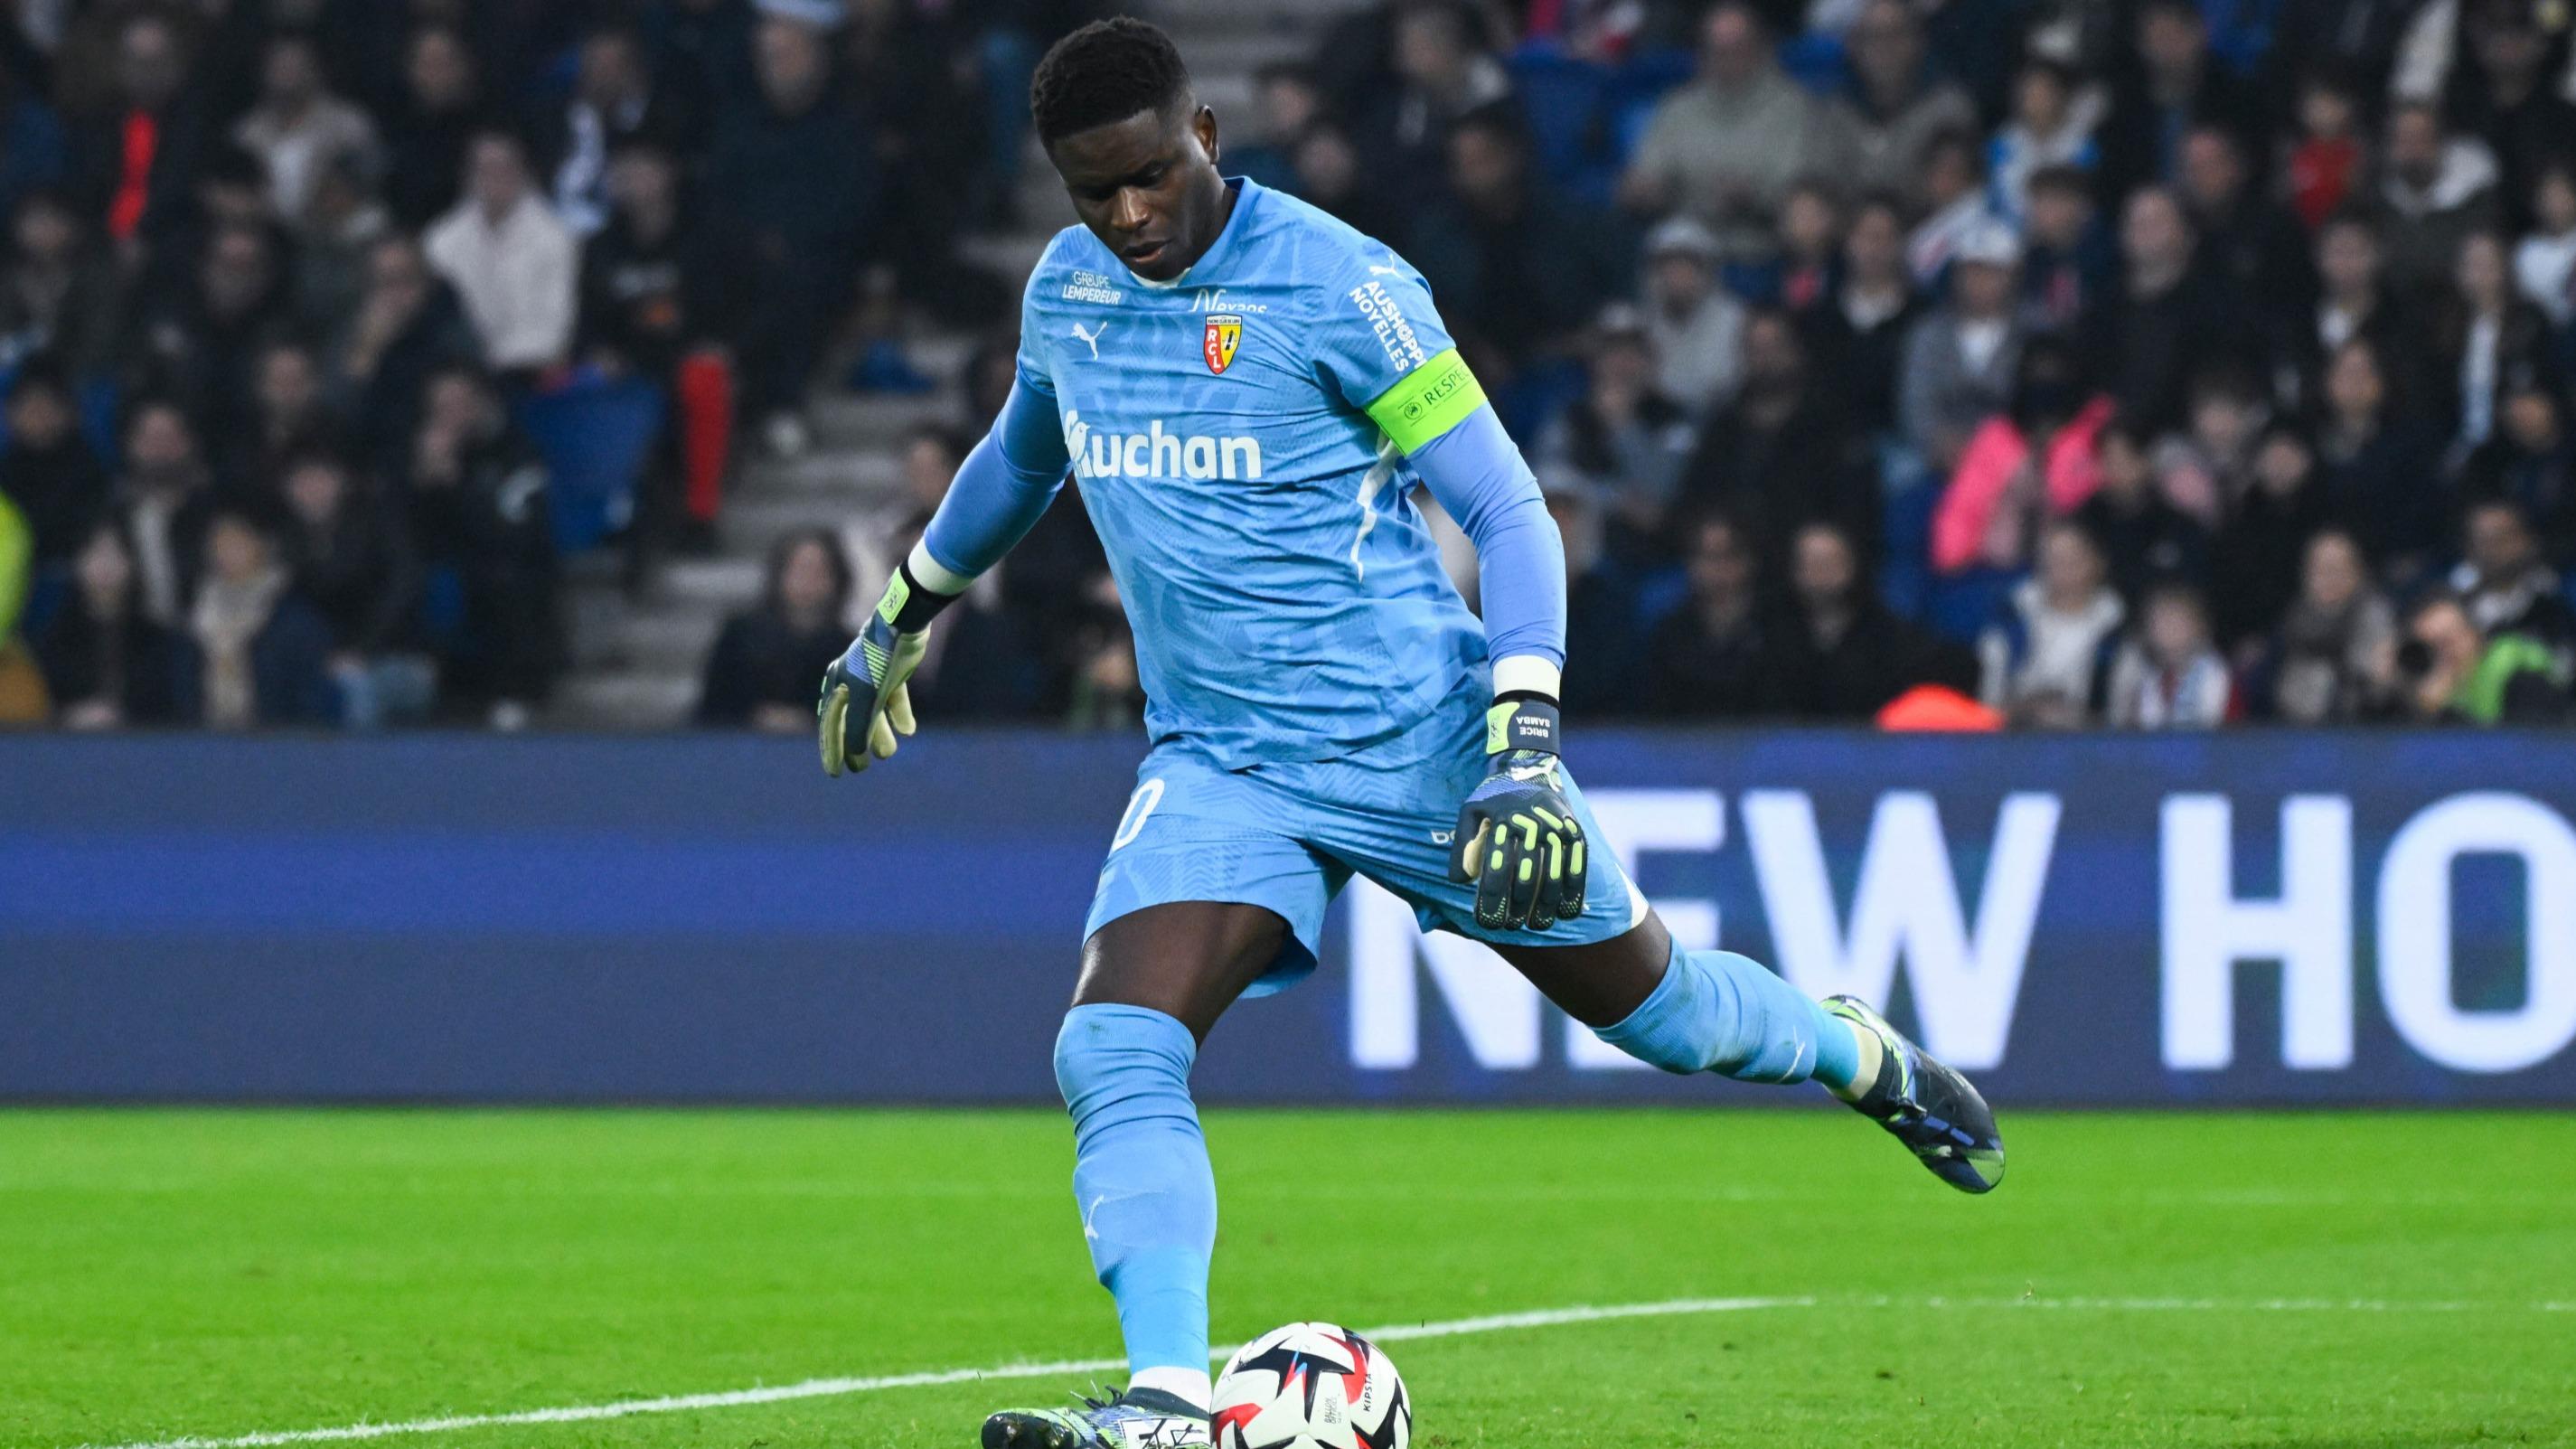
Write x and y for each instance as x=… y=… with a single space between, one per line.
x=1141 y=1176
x=1715 y=1011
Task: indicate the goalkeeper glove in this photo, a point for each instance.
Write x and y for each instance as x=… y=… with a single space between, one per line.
x=1518 y=837
x=866 y=701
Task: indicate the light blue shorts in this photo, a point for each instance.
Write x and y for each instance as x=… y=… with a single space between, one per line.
x=1288 y=837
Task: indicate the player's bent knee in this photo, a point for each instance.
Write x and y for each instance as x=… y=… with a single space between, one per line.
x=1112 y=1060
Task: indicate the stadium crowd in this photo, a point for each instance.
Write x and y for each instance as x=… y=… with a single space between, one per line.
x=308 y=306
x=1973 y=362
x=2146 y=363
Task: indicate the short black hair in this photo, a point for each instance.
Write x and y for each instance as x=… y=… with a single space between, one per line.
x=1102 y=74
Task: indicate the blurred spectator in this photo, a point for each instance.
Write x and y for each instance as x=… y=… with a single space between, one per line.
x=1960 y=359
x=1438 y=75
x=479 y=518
x=1800 y=269
x=262 y=655
x=2144 y=538
x=514 y=266
x=2046 y=657
x=343 y=221
x=2173 y=84
x=2544 y=262
x=58 y=296
x=133 y=164
x=1896 y=103
x=166 y=500
x=435 y=119
x=928 y=122
x=1694 y=327
x=2487 y=332
x=2023 y=466
x=2381 y=465
x=2355 y=300
x=2451 y=672
x=612 y=104
x=1328 y=174
x=2068 y=264
x=764 y=669
x=2506 y=96
x=290 y=416
x=2330 y=659
x=2170 y=676
x=107 y=664
x=1602 y=628
x=199 y=345
x=2250 y=243
x=406 y=326
x=1623 y=441
x=2504 y=582
x=2052 y=125
x=1841 y=654
x=2434 y=189
x=1288 y=101
x=793 y=178
x=1781 y=455
x=1952 y=199
x=2205 y=468
x=2529 y=462
x=46 y=470
x=1859 y=331
x=2276 y=518
x=1711 y=658
x=654 y=295
x=1516 y=269
x=352 y=561
x=2325 y=158
x=986 y=659
x=299 y=128
x=1726 y=146
x=2168 y=319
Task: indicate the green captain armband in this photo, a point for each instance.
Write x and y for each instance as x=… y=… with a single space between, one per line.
x=1432 y=399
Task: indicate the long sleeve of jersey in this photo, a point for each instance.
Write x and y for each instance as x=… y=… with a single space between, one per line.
x=1001 y=489
x=1477 y=473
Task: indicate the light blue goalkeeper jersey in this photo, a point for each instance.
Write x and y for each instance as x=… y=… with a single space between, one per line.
x=1238 y=437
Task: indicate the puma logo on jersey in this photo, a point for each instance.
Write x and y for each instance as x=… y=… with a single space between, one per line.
x=1092 y=338
x=1156 y=453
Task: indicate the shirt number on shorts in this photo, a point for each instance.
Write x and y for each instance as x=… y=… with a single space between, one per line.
x=1140 y=808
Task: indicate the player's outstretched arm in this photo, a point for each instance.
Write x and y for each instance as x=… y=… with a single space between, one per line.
x=1000 y=491
x=1518 y=837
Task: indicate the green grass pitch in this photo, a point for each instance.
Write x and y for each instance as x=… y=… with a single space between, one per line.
x=2349 y=1280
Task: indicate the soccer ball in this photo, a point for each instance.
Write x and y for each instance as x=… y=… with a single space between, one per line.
x=1311 y=1386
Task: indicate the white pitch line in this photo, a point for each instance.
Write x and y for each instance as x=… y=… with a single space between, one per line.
x=830 y=1388
x=1393 y=1333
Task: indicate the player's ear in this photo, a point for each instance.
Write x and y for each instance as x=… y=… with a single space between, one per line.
x=1203 y=125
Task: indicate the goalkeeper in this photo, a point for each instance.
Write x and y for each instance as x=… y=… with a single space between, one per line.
x=1248 y=393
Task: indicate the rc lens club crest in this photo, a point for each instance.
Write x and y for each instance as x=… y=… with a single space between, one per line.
x=1224 y=334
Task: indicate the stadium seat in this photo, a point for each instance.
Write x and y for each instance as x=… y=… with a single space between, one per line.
x=1562 y=101
x=1960 y=606
x=597 y=438
x=1815 y=61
